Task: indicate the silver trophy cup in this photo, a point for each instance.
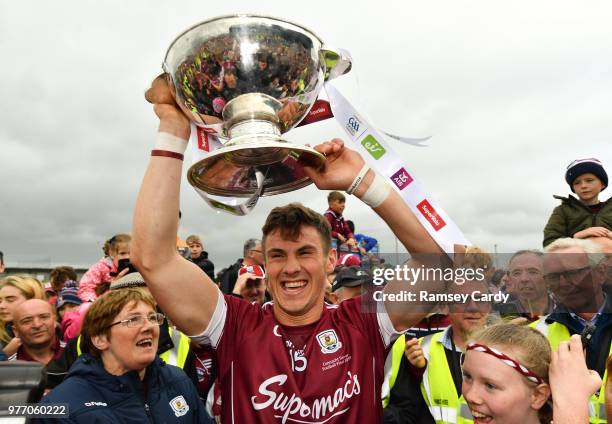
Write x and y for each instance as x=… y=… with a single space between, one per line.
x=251 y=79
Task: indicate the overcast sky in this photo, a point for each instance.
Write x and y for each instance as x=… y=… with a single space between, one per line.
x=510 y=92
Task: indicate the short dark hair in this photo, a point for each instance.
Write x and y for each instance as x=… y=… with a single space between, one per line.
x=525 y=252
x=351 y=225
x=60 y=274
x=290 y=219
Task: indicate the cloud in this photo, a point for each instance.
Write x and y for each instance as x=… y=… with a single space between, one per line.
x=509 y=92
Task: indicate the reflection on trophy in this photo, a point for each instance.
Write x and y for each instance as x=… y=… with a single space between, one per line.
x=251 y=78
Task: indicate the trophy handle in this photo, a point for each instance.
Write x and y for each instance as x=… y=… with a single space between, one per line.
x=336 y=62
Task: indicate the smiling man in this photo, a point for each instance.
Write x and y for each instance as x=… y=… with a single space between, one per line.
x=526 y=275
x=575 y=271
x=315 y=363
x=34 y=324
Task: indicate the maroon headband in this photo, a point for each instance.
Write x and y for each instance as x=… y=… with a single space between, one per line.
x=531 y=376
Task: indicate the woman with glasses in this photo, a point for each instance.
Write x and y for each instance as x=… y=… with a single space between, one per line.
x=119 y=377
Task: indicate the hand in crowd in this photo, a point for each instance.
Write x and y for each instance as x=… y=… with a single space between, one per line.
x=340 y=168
x=11 y=347
x=571 y=382
x=172 y=119
x=593 y=232
x=351 y=242
x=341 y=238
x=241 y=282
x=414 y=353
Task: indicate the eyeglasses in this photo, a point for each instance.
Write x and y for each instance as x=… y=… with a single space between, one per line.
x=139 y=320
x=517 y=273
x=572 y=274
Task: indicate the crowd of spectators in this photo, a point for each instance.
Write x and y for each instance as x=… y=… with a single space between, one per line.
x=110 y=353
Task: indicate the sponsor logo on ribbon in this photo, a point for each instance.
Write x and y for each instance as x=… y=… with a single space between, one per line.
x=401 y=179
x=203 y=139
x=320 y=111
x=374 y=148
x=431 y=215
x=353 y=124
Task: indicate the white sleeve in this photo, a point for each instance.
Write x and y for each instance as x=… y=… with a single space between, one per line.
x=214 y=331
x=387 y=331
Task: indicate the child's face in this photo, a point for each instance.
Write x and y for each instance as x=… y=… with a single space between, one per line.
x=68 y=307
x=587 y=187
x=337 y=206
x=195 y=249
x=495 y=392
x=122 y=252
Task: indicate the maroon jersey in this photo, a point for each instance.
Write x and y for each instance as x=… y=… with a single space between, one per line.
x=329 y=372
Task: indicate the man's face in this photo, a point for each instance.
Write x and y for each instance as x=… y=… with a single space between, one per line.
x=34 y=323
x=575 y=284
x=297 y=272
x=195 y=249
x=257 y=255
x=337 y=206
x=470 y=316
x=526 y=274
x=254 y=290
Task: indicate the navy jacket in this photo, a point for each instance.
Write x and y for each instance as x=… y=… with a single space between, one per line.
x=166 y=395
x=599 y=348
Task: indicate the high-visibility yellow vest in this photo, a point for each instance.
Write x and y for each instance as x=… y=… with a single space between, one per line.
x=176 y=356
x=438 y=387
x=397 y=352
x=556 y=333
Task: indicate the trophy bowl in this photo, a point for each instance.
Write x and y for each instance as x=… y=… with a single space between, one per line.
x=250 y=79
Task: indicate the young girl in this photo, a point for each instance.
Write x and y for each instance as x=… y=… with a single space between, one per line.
x=505 y=376
x=509 y=373
x=118 y=247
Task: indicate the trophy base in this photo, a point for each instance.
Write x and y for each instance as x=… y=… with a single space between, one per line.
x=230 y=170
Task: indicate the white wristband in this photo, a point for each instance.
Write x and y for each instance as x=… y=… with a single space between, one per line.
x=169 y=142
x=358 y=179
x=377 y=192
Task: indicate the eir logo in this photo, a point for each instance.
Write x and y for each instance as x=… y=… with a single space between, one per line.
x=431 y=215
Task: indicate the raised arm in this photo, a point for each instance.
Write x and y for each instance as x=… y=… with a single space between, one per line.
x=184 y=292
x=342 y=166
